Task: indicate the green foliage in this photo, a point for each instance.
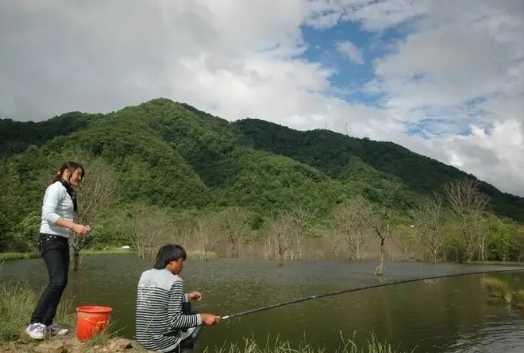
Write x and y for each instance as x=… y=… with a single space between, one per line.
x=382 y=163
x=16 y=137
x=501 y=237
x=11 y=209
x=187 y=163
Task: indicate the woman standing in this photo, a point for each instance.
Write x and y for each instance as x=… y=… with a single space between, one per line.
x=58 y=209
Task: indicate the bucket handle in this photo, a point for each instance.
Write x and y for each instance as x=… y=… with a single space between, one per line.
x=95 y=322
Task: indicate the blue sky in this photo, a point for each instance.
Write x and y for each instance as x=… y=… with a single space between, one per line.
x=351 y=76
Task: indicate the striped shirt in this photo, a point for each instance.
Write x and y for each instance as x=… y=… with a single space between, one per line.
x=159 y=310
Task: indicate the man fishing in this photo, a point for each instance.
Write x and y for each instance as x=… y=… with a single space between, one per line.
x=164 y=319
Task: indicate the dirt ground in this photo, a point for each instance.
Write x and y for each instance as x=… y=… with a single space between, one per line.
x=69 y=344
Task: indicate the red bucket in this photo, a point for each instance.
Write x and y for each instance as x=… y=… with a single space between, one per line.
x=91 y=321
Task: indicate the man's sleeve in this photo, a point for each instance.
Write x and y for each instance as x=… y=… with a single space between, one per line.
x=177 y=319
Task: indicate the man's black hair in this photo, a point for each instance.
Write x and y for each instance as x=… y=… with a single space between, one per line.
x=168 y=253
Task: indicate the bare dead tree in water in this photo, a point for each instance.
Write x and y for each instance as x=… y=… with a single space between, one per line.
x=300 y=221
x=184 y=229
x=283 y=230
x=147 y=227
x=404 y=237
x=96 y=194
x=468 y=205
x=206 y=233
x=379 y=220
x=284 y=235
x=235 y=225
x=429 y=224
x=278 y=236
x=351 y=228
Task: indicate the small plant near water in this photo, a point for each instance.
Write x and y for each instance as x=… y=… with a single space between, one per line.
x=348 y=346
x=500 y=290
x=103 y=338
x=17 y=302
x=518 y=298
x=497 y=288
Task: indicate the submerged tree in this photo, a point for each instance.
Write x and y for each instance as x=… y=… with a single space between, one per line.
x=379 y=219
x=235 y=225
x=206 y=232
x=284 y=235
x=300 y=221
x=146 y=228
x=406 y=238
x=96 y=194
x=428 y=218
x=351 y=228
x=468 y=206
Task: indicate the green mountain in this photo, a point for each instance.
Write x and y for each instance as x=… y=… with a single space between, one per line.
x=173 y=155
x=347 y=159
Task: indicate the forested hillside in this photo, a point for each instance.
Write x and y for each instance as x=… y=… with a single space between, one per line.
x=346 y=158
x=232 y=186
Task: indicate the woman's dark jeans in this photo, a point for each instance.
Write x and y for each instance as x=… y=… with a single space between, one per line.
x=54 y=249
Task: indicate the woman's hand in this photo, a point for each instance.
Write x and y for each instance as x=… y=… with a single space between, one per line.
x=81 y=229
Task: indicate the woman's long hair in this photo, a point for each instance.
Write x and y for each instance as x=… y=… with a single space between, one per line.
x=71 y=166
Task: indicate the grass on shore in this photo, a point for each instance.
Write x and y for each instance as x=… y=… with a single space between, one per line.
x=16 y=306
x=348 y=345
x=17 y=302
x=10 y=256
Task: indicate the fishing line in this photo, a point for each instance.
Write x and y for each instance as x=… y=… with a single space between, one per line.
x=372 y=286
x=317 y=296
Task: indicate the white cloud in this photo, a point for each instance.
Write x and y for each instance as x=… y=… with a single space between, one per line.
x=351 y=51
x=238 y=59
x=462 y=55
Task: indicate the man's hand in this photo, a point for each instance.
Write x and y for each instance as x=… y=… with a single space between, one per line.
x=210 y=319
x=194 y=296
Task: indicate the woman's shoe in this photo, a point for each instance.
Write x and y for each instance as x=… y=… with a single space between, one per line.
x=36 y=331
x=56 y=330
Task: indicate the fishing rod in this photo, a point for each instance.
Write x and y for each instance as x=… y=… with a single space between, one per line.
x=372 y=286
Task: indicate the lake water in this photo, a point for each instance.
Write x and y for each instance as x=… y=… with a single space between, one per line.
x=449 y=316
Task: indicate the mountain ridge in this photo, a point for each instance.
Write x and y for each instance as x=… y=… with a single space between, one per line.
x=192 y=154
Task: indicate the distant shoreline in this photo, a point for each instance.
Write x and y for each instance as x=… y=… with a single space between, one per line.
x=11 y=256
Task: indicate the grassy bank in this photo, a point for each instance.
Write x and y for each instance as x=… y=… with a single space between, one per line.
x=9 y=256
x=18 y=301
x=497 y=263
x=347 y=345
x=16 y=305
